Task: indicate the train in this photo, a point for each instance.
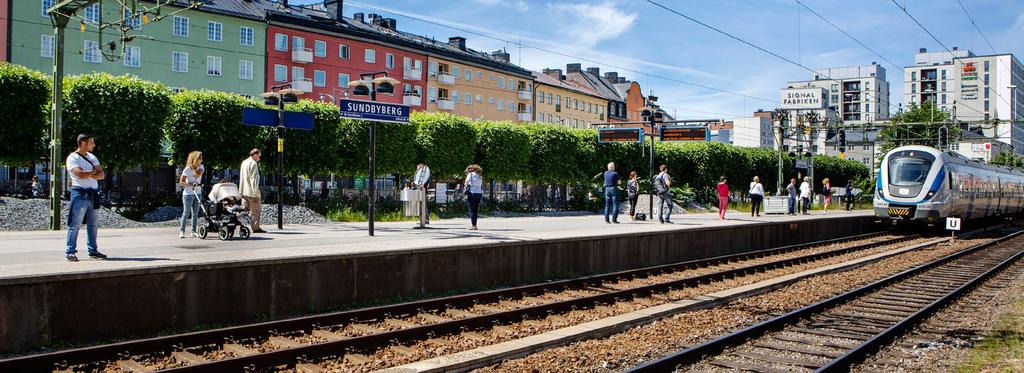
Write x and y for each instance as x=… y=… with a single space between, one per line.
x=926 y=185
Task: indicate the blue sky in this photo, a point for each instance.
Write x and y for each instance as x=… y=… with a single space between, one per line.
x=655 y=44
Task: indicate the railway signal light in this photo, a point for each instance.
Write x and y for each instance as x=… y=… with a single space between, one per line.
x=943 y=137
x=842 y=140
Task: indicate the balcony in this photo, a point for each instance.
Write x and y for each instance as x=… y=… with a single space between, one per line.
x=305 y=85
x=304 y=55
x=524 y=116
x=525 y=95
x=446 y=79
x=411 y=99
x=445 y=104
x=412 y=74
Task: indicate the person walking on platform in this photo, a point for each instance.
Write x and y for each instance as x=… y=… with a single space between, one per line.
x=791 y=191
x=826 y=191
x=805 y=195
x=611 y=194
x=849 y=195
x=663 y=187
x=474 y=188
x=85 y=173
x=249 y=186
x=632 y=192
x=723 y=196
x=190 y=181
x=419 y=181
x=756 y=196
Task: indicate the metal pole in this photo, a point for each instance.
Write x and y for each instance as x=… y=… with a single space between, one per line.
x=280 y=163
x=373 y=164
x=650 y=171
x=60 y=22
x=779 y=184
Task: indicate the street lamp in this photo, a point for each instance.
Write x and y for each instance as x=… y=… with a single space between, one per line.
x=279 y=96
x=370 y=84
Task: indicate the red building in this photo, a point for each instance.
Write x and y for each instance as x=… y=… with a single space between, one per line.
x=321 y=58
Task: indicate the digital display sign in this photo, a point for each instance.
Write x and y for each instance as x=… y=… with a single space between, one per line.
x=684 y=133
x=609 y=135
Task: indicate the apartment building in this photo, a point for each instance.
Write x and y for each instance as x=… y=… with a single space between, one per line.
x=592 y=79
x=484 y=86
x=560 y=101
x=857 y=94
x=219 y=46
x=975 y=88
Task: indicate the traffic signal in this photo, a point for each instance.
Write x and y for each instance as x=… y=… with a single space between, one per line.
x=842 y=140
x=943 y=137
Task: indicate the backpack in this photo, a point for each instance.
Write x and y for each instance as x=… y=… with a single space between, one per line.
x=659 y=185
x=640 y=216
x=826 y=191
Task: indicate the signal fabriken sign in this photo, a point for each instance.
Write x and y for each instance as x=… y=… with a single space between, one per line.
x=803 y=98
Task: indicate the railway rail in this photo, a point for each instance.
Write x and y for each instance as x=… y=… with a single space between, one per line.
x=833 y=335
x=344 y=334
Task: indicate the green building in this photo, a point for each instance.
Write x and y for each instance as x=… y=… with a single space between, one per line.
x=219 y=46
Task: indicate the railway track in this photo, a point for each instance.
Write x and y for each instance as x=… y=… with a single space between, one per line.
x=832 y=335
x=347 y=335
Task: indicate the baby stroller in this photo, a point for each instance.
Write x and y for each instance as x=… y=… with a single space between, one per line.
x=224 y=213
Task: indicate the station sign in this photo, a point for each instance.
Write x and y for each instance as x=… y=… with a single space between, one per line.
x=684 y=133
x=610 y=135
x=374 y=111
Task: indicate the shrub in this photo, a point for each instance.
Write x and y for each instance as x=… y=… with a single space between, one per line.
x=25 y=95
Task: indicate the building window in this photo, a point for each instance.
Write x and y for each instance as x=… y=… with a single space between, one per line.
x=913 y=76
x=986 y=105
x=214 y=31
x=298 y=43
x=245 y=36
x=867 y=107
x=179 y=62
x=943 y=74
x=551 y=98
x=469 y=75
x=468 y=98
x=501 y=105
x=943 y=86
x=943 y=99
x=490 y=100
x=835 y=88
x=986 y=78
x=46 y=46
x=986 y=92
x=319 y=78
x=92 y=52
x=370 y=56
x=343 y=51
x=479 y=99
x=133 y=22
x=46 y=6
x=342 y=80
x=280 y=73
x=510 y=106
x=986 y=66
x=501 y=82
x=298 y=73
x=213 y=66
x=389 y=61
x=132 y=56
x=92 y=14
x=455 y=97
x=281 y=42
x=913 y=88
x=540 y=97
x=181 y=26
x=456 y=72
x=320 y=48
x=245 y=70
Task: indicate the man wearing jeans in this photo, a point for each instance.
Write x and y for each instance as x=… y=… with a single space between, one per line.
x=611 y=194
x=662 y=186
x=85 y=173
x=791 y=190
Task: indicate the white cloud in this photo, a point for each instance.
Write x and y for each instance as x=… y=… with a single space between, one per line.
x=589 y=24
x=519 y=5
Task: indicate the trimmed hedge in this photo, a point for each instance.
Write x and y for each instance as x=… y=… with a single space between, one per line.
x=211 y=122
x=24 y=114
x=503 y=150
x=446 y=142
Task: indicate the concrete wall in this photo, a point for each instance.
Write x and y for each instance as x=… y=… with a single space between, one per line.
x=98 y=307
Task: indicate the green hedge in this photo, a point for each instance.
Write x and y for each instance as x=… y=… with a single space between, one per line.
x=212 y=123
x=446 y=142
x=316 y=152
x=503 y=150
x=24 y=114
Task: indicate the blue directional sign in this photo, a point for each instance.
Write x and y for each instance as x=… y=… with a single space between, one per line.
x=374 y=111
x=268 y=118
x=629 y=134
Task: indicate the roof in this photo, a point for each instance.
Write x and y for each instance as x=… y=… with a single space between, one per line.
x=318 y=17
x=622 y=89
x=255 y=10
x=596 y=83
x=565 y=84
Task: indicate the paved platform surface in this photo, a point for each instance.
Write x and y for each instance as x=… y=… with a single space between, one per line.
x=29 y=257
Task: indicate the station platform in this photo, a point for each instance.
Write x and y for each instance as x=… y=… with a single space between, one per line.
x=155 y=282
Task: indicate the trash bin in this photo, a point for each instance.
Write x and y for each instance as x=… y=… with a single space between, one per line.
x=410 y=202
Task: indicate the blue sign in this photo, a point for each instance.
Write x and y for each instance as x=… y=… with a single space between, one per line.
x=628 y=134
x=268 y=118
x=374 y=111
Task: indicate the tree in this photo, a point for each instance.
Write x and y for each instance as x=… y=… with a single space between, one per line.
x=212 y=123
x=311 y=152
x=446 y=142
x=25 y=95
x=1008 y=159
x=503 y=150
x=917 y=126
x=125 y=114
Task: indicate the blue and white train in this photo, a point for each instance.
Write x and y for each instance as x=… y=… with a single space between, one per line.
x=924 y=184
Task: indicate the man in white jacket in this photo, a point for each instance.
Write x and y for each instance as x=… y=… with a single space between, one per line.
x=249 y=186
x=805 y=194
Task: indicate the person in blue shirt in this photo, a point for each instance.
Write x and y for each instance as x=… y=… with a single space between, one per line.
x=611 y=194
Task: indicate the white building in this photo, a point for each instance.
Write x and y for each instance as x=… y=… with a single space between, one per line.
x=975 y=88
x=857 y=94
x=754 y=132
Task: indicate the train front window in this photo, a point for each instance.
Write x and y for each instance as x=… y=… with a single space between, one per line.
x=909 y=168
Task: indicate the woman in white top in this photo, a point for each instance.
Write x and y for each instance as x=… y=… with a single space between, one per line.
x=474 y=188
x=190 y=182
x=805 y=194
x=756 y=196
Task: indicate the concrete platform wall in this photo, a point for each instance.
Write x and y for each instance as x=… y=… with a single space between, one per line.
x=106 y=306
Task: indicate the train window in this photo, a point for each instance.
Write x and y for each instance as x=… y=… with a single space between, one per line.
x=909 y=168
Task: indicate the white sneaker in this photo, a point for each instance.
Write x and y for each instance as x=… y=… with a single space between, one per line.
x=181 y=234
x=194 y=234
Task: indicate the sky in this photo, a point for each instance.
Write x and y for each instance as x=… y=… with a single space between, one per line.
x=687 y=65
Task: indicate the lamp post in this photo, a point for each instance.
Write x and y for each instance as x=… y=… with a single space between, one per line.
x=369 y=84
x=278 y=96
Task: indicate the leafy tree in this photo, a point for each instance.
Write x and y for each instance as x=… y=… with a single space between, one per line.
x=553 y=154
x=125 y=114
x=25 y=95
x=446 y=142
x=396 y=150
x=212 y=123
x=503 y=150
x=917 y=126
x=319 y=151
x=1007 y=159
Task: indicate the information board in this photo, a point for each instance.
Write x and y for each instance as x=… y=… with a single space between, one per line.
x=610 y=135
x=375 y=111
x=684 y=133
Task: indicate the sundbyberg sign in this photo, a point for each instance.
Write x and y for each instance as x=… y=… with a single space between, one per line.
x=803 y=98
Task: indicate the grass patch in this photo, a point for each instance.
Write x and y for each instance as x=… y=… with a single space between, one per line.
x=349 y=215
x=1002 y=350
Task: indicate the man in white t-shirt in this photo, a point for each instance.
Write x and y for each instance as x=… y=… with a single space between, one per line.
x=85 y=173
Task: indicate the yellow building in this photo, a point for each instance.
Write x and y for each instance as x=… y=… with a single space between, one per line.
x=566 y=103
x=478 y=85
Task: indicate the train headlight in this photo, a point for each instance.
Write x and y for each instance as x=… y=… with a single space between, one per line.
x=929 y=195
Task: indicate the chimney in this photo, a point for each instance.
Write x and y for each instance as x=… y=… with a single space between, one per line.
x=611 y=76
x=922 y=50
x=955 y=47
x=389 y=23
x=285 y=3
x=501 y=55
x=594 y=70
x=458 y=42
x=554 y=73
x=573 y=68
x=375 y=18
x=621 y=80
x=334 y=8
x=358 y=17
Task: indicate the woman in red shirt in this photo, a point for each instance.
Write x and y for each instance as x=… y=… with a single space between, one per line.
x=723 y=197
